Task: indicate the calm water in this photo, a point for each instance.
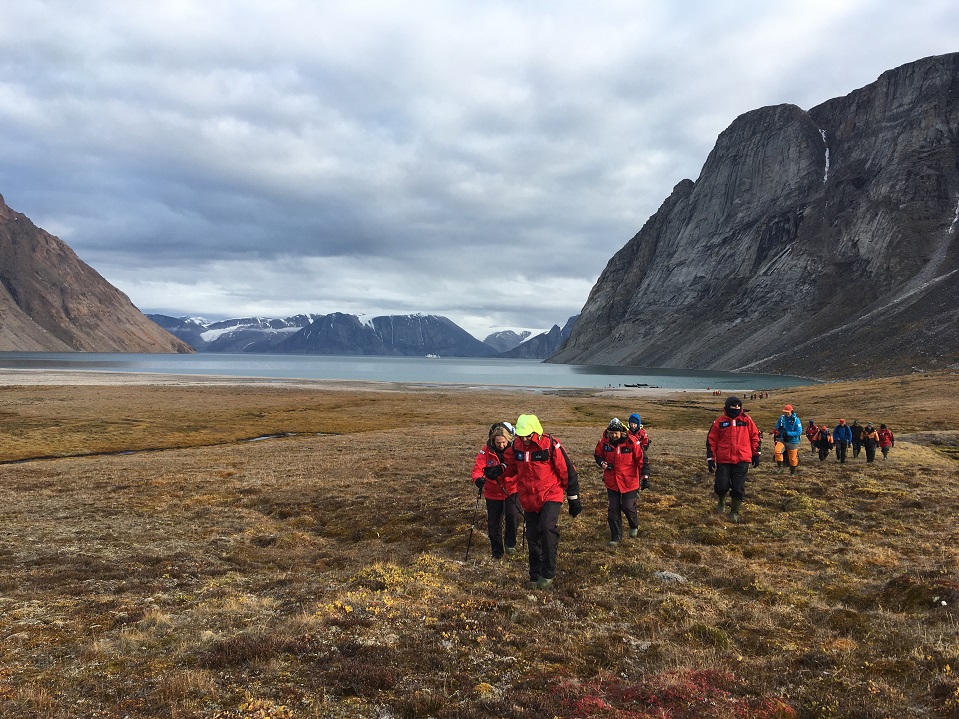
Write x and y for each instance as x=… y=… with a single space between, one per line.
x=473 y=372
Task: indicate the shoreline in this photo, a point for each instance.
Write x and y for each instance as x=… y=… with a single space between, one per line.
x=48 y=378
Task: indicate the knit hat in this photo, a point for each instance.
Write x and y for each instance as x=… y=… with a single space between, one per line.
x=733 y=401
x=788 y=408
x=615 y=425
x=842 y=421
x=634 y=417
x=527 y=424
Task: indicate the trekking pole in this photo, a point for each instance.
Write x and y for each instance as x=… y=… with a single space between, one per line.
x=475 y=510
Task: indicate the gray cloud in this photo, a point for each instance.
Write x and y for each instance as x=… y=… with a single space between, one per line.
x=477 y=160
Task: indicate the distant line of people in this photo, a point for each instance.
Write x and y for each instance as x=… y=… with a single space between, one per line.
x=860 y=438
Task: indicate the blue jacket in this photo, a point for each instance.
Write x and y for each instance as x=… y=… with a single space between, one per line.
x=842 y=433
x=789 y=428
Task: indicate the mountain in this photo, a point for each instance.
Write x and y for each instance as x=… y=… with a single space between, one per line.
x=544 y=344
x=818 y=243
x=248 y=334
x=332 y=334
x=506 y=340
x=52 y=301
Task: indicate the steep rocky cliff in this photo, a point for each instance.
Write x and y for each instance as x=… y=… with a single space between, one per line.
x=51 y=301
x=819 y=242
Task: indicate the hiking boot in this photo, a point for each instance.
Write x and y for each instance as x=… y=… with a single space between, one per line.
x=721 y=505
x=511 y=551
x=612 y=543
x=544 y=583
x=532 y=583
x=734 y=507
x=634 y=533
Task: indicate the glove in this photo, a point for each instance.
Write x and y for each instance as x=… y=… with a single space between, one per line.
x=575 y=506
x=493 y=471
x=755 y=459
x=644 y=484
x=711 y=465
x=480 y=483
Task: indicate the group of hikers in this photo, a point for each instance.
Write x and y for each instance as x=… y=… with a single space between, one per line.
x=861 y=438
x=524 y=474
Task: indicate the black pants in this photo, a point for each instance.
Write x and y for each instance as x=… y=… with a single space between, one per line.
x=823 y=450
x=542 y=536
x=498 y=510
x=856 y=447
x=870 y=447
x=621 y=503
x=731 y=476
x=841 y=448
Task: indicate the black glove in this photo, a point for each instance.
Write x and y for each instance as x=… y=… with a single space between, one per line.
x=480 y=483
x=644 y=484
x=711 y=465
x=755 y=459
x=494 y=471
x=575 y=507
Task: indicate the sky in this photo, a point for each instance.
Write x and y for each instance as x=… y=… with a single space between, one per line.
x=477 y=160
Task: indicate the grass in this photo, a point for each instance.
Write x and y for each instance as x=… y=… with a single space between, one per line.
x=322 y=573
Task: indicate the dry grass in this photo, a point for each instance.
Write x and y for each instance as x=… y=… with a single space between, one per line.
x=322 y=574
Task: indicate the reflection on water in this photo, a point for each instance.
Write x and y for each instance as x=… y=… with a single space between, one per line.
x=470 y=371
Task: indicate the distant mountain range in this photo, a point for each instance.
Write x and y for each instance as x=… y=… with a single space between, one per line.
x=342 y=334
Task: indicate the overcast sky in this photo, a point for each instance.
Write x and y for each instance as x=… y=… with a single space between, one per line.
x=481 y=160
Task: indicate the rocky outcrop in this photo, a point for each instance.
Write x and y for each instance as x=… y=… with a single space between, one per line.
x=52 y=301
x=820 y=242
x=246 y=334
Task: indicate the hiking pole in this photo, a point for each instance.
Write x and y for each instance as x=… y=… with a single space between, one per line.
x=475 y=510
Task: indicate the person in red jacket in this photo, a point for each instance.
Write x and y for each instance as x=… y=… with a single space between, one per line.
x=811 y=433
x=886 y=440
x=620 y=454
x=544 y=472
x=732 y=443
x=495 y=478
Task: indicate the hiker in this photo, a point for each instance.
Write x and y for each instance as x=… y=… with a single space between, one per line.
x=870 y=440
x=788 y=435
x=543 y=473
x=886 y=440
x=856 y=430
x=620 y=455
x=637 y=431
x=811 y=431
x=842 y=436
x=492 y=475
x=731 y=444
x=824 y=442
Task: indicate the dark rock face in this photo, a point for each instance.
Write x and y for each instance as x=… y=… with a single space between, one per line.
x=247 y=334
x=818 y=243
x=52 y=301
x=418 y=335
x=542 y=345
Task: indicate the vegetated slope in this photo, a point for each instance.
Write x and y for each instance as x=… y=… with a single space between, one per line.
x=51 y=301
x=820 y=242
x=264 y=590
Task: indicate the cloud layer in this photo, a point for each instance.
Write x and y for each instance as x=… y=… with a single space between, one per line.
x=481 y=161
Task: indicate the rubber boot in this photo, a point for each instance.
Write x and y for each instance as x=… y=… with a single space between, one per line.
x=779 y=467
x=792 y=469
x=721 y=505
x=734 y=510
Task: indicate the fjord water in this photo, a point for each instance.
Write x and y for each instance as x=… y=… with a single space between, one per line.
x=474 y=372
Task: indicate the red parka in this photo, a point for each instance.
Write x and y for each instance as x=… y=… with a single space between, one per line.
x=886 y=438
x=504 y=485
x=543 y=472
x=624 y=460
x=733 y=439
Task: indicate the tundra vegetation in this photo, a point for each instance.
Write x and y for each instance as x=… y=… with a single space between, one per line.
x=156 y=563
